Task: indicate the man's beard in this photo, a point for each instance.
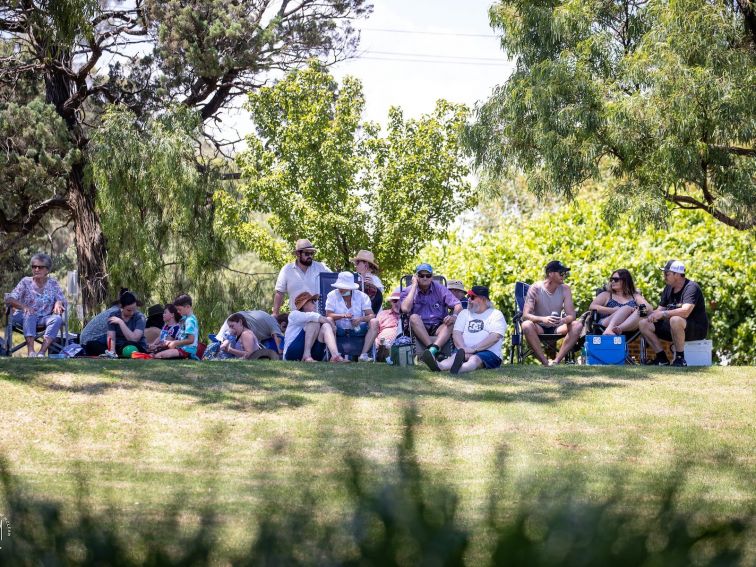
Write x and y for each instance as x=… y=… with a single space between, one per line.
x=305 y=260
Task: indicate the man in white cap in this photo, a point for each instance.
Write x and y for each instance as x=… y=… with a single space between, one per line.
x=383 y=330
x=681 y=316
x=303 y=274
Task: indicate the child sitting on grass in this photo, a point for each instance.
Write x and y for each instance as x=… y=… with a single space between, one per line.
x=185 y=346
x=170 y=330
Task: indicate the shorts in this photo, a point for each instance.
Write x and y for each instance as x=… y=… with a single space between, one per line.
x=490 y=360
x=183 y=354
x=296 y=348
x=433 y=329
x=693 y=332
x=360 y=331
x=548 y=331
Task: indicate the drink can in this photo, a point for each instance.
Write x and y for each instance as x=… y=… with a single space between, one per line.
x=642 y=310
x=554 y=314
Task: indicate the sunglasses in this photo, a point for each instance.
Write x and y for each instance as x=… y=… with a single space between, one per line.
x=313 y=301
x=307 y=254
x=35 y=267
x=613 y=279
x=564 y=274
x=425 y=276
x=394 y=301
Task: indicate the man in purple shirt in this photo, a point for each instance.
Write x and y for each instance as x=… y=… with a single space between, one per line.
x=428 y=304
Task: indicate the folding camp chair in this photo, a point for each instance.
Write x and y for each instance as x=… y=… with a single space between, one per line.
x=446 y=349
x=520 y=349
x=58 y=344
x=350 y=346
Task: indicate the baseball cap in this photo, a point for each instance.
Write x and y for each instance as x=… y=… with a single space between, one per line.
x=556 y=266
x=674 y=266
x=424 y=268
x=479 y=290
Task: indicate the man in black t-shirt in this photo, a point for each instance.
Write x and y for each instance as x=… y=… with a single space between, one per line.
x=681 y=315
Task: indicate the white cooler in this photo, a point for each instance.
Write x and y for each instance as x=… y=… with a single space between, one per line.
x=698 y=353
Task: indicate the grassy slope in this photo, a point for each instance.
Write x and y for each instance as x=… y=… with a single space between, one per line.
x=142 y=431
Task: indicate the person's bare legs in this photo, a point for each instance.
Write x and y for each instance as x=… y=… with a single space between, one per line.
x=168 y=353
x=30 y=346
x=328 y=337
x=312 y=331
x=443 y=333
x=531 y=332
x=473 y=362
x=677 y=328
x=629 y=324
x=45 y=345
x=570 y=339
x=370 y=336
x=616 y=319
x=648 y=331
x=418 y=328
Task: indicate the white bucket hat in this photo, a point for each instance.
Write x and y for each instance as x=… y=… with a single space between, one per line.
x=345 y=281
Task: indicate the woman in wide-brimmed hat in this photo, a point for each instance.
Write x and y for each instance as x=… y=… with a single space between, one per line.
x=348 y=307
x=366 y=266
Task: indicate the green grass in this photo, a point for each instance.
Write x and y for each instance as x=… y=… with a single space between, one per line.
x=145 y=433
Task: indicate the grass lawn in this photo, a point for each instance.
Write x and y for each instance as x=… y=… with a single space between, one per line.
x=143 y=432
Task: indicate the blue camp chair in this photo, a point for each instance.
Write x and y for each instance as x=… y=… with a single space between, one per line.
x=7 y=348
x=520 y=349
x=350 y=346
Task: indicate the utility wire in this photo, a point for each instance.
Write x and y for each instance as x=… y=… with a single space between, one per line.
x=387 y=30
x=445 y=62
x=434 y=56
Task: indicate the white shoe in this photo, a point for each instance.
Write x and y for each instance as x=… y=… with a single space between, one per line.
x=364 y=357
x=31 y=355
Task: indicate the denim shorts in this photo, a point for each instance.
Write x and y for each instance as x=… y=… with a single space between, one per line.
x=490 y=360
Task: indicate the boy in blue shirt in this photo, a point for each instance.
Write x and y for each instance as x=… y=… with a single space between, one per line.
x=185 y=346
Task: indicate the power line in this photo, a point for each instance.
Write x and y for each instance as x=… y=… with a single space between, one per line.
x=434 y=56
x=387 y=30
x=445 y=62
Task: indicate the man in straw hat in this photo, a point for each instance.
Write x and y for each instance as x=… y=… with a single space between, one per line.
x=367 y=268
x=309 y=334
x=303 y=274
x=458 y=290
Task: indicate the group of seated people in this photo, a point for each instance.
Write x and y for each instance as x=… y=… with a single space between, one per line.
x=435 y=314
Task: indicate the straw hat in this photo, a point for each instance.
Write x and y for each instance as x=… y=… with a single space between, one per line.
x=366 y=255
x=304 y=244
x=303 y=298
x=345 y=281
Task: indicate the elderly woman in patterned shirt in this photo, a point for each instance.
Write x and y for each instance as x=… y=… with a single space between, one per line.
x=38 y=301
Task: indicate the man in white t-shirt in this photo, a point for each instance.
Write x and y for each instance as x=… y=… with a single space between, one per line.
x=301 y=275
x=308 y=333
x=478 y=335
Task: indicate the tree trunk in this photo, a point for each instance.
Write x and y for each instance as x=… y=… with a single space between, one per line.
x=91 y=251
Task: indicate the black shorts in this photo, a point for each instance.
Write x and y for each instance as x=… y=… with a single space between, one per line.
x=693 y=332
x=433 y=329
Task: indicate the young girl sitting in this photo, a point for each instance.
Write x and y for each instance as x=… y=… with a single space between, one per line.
x=240 y=341
x=170 y=329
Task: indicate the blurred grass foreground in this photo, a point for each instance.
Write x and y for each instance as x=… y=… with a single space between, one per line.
x=272 y=464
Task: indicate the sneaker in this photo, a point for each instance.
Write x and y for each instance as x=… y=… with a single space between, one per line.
x=109 y=354
x=679 y=362
x=31 y=355
x=430 y=360
x=364 y=357
x=657 y=362
x=459 y=360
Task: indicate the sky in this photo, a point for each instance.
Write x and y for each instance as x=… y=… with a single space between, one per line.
x=411 y=53
x=448 y=50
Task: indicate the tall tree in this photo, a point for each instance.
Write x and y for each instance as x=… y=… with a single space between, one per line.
x=654 y=97
x=318 y=172
x=145 y=55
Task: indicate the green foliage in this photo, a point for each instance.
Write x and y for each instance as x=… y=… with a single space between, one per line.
x=655 y=98
x=317 y=172
x=397 y=515
x=719 y=258
x=156 y=216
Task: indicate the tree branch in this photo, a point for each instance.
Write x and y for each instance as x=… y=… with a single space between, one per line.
x=683 y=200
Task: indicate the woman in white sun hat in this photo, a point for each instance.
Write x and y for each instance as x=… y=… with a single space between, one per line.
x=348 y=307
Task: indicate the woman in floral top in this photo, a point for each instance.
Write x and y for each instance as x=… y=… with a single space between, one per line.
x=38 y=302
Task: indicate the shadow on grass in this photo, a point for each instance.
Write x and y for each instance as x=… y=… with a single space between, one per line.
x=266 y=386
x=397 y=514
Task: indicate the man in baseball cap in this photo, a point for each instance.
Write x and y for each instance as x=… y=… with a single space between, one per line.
x=478 y=336
x=301 y=275
x=681 y=316
x=544 y=305
x=428 y=304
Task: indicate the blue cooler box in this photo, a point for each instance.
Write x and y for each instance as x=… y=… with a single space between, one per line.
x=605 y=349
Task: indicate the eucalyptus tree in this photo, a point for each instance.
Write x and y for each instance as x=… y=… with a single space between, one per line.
x=654 y=98
x=74 y=58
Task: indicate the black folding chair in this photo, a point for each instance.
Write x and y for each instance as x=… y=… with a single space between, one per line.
x=349 y=345
x=593 y=327
x=58 y=344
x=520 y=348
